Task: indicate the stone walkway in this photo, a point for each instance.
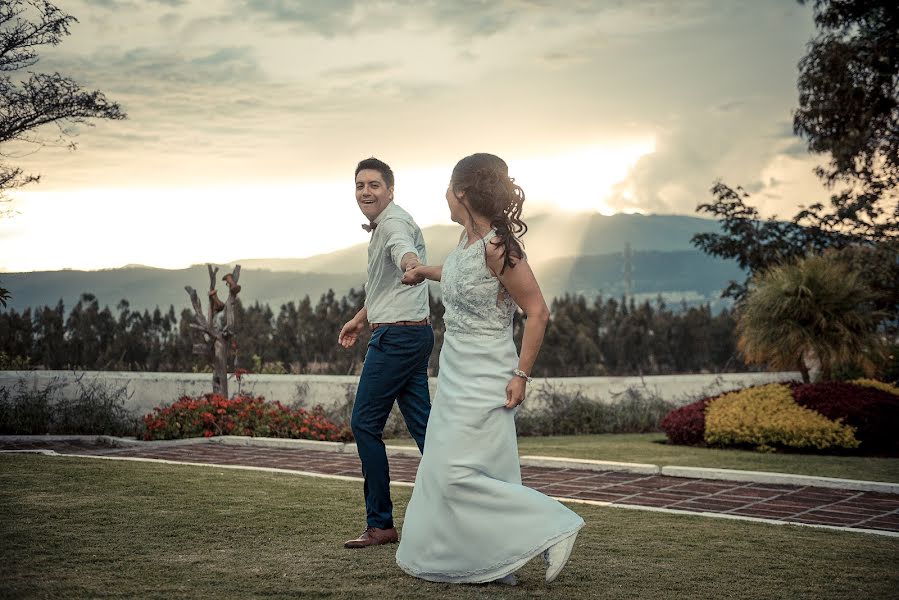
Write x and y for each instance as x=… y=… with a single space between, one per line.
x=781 y=503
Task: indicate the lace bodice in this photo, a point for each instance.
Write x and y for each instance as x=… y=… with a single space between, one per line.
x=476 y=302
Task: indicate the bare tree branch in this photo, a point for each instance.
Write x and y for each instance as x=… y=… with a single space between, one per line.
x=28 y=106
x=218 y=339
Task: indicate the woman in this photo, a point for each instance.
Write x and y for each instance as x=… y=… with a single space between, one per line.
x=470 y=520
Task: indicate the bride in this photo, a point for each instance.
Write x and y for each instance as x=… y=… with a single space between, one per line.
x=470 y=520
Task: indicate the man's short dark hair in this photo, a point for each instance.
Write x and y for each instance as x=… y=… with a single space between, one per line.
x=377 y=165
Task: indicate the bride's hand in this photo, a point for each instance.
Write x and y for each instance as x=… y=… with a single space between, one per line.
x=414 y=276
x=515 y=391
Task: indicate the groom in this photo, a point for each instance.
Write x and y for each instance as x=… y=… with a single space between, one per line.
x=396 y=363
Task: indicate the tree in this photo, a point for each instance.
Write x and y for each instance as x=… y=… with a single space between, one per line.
x=42 y=99
x=49 y=337
x=27 y=106
x=758 y=245
x=218 y=338
x=755 y=243
x=849 y=108
x=813 y=308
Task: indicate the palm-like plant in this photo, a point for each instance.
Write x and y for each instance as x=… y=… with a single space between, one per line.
x=815 y=306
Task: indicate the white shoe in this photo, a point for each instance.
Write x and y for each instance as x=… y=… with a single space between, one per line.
x=509 y=579
x=557 y=555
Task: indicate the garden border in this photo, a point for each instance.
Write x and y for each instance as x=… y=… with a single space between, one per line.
x=533 y=461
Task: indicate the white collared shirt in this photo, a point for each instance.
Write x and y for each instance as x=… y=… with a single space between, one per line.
x=387 y=299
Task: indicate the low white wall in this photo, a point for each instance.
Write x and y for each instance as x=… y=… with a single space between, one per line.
x=148 y=390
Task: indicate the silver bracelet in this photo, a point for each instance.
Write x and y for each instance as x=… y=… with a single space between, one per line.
x=522 y=374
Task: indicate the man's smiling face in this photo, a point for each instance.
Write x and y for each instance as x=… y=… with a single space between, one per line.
x=372 y=194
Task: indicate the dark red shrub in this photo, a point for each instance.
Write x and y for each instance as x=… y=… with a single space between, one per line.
x=873 y=412
x=686 y=425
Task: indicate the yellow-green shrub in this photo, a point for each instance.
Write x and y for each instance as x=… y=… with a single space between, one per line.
x=767 y=416
x=880 y=385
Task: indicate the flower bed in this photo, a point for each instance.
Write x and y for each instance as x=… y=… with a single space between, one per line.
x=212 y=415
x=873 y=411
x=861 y=416
x=767 y=416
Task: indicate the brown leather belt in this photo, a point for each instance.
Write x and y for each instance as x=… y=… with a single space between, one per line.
x=422 y=322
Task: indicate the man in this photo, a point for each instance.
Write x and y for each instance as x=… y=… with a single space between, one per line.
x=396 y=363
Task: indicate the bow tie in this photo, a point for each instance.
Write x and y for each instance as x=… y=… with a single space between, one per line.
x=369 y=228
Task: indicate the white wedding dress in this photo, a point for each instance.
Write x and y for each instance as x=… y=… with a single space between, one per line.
x=470 y=520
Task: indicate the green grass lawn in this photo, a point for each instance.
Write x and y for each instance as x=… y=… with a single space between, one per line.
x=652 y=448
x=76 y=527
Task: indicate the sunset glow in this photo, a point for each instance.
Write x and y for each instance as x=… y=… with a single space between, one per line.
x=582 y=180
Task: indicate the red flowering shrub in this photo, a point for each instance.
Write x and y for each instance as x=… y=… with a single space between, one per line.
x=873 y=412
x=211 y=415
x=686 y=425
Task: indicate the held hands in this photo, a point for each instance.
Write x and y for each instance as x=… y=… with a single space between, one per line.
x=515 y=391
x=350 y=333
x=414 y=274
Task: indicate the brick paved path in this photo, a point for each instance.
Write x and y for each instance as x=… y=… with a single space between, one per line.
x=794 y=504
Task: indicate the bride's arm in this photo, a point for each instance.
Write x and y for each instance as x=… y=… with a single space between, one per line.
x=521 y=284
x=417 y=274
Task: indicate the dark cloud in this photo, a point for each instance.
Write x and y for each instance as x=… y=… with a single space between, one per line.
x=326 y=17
x=131 y=5
x=798 y=148
x=474 y=18
x=148 y=71
x=370 y=68
x=169 y=20
x=730 y=106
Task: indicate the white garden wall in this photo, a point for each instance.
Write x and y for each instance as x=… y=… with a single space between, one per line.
x=148 y=390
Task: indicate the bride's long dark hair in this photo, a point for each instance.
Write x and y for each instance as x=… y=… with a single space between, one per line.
x=490 y=192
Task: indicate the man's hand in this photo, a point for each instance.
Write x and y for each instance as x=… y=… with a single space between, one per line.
x=409 y=261
x=414 y=275
x=349 y=333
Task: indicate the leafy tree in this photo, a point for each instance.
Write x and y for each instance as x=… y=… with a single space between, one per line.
x=17 y=331
x=849 y=109
x=49 y=337
x=42 y=99
x=813 y=308
x=255 y=334
x=758 y=244
x=755 y=243
x=572 y=337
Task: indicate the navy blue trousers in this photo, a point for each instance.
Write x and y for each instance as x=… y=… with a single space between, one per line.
x=395 y=370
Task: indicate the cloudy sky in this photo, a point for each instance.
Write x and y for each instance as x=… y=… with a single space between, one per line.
x=246 y=118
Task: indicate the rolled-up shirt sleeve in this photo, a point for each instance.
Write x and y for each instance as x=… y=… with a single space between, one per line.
x=399 y=240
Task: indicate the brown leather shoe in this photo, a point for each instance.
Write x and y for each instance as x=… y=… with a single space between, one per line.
x=372 y=536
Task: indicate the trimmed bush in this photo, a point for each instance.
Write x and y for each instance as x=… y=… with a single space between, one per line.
x=767 y=417
x=873 y=412
x=686 y=425
x=212 y=415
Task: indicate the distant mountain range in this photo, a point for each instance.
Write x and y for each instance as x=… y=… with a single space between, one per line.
x=581 y=253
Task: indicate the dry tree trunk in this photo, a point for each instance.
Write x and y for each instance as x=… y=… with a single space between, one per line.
x=217 y=339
